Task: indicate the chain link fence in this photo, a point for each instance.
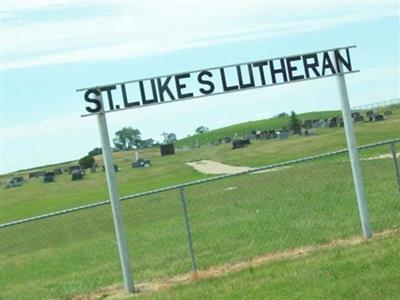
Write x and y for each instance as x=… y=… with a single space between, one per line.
x=200 y=225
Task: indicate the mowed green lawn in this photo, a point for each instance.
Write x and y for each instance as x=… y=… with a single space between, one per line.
x=367 y=271
x=36 y=197
x=232 y=220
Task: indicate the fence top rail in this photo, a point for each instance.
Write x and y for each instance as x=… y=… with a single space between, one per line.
x=195 y=182
x=384 y=103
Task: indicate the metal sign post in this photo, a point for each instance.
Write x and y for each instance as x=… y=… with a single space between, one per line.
x=114 y=199
x=355 y=163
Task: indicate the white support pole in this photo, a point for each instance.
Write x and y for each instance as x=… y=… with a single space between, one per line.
x=355 y=164
x=114 y=197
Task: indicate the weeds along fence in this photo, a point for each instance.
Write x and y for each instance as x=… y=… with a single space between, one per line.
x=201 y=224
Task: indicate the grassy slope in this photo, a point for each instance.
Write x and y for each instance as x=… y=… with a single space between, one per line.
x=267 y=212
x=367 y=271
x=35 y=197
x=60 y=257
x=247 y=127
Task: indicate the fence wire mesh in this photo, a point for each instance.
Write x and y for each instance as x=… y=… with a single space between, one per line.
x=228 y=220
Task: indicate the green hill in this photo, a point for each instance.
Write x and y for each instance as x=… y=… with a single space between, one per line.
x=246 y=128
x=232 y=220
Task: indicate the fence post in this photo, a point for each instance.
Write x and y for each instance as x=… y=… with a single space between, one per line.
x=396 y=165
x=187 y=229
x=351 y=144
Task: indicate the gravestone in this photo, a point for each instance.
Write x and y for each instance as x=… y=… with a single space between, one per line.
x=282 y=135
x=14 y=182
x=237 y=144
x=72 y=168
x=167 y=149
x=76 y=175
x=49 y=177
x=357 y=117
x=141 y=163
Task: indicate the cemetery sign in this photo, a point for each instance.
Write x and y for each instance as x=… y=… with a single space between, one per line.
x=218 y=80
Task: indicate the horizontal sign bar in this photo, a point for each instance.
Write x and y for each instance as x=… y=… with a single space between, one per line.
x=217 y=80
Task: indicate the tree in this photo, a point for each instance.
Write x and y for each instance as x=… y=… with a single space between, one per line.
x=171 y=138
x=202 y=129
x=95 y=151
x=294 y=123
x=282 y=114
x=127 y=138
x=148 y=143
x=86 y=161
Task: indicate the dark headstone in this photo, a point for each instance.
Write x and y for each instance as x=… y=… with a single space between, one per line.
x=167 y=149
x=76 y=175
x=357 y=117
x=49 y=177
x=72 y=168
x=282 y=135
x=237 y=144
x=141 y=163
x=14 y=182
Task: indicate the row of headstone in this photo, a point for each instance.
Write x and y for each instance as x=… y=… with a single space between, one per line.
x=240 y=143
x=307 y=132
x=37 y=174
x=374 y=116
x=332 y=122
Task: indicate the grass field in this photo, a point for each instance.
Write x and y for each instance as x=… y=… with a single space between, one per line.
x=232 y=220
x=35 y=197
x=367 y=271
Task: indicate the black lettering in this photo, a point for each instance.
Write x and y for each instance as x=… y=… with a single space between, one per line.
x=327 y=63
x=143 y=94
x=163 y=87
x=340 y=61
x=125 y=98
x=311 y=65
x=291 y=68
x=260 y=66
x=108 y=89
x=224 y=85
x=94 y=100
x=206 y=82
x=251 y=77
x=180 y=86
x=275 y=71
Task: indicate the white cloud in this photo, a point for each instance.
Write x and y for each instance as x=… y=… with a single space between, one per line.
x=131 y=30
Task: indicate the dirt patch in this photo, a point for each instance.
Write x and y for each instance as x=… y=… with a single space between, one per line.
x=213 y=167
x=381 y=156
x=116 y=291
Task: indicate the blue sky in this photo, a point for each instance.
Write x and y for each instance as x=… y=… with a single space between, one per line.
x=51 y=48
